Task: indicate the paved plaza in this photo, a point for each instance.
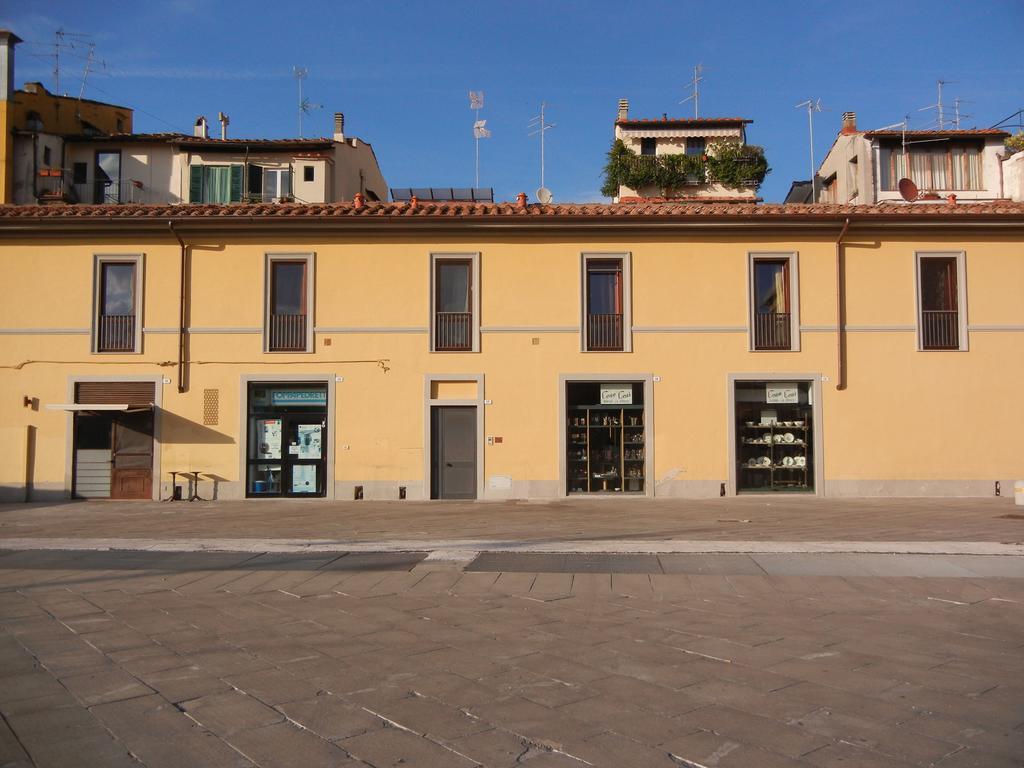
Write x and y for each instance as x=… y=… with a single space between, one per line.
x=539 y=658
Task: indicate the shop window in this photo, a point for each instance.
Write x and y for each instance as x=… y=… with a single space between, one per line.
x=117 y=326
x=455 y=294
x=289 y=292
x=606 y=307
x=287 y=440
x=606 y=438
x=215 y=183
x=774 y=320
x=774 y=436
x=941 y=297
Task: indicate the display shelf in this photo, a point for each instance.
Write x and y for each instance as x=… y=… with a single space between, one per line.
x=760 y=442
x=611 y=438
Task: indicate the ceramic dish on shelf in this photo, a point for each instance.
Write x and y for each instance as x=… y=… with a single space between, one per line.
x=749 y=423
x=766 y=461
x=788 y=437
x=801 y=461
x=788 y=461
x=798 y=423
x=751 y=462
x=778 y=438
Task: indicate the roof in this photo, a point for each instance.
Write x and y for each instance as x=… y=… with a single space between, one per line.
x=684 y=122
x=993 y=132
x=256 y=215
x=208 y=143
x=799 y=192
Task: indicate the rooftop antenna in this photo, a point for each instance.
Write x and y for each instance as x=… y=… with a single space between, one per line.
x=541 y=126
x=812 y=106
x=88 y=64
x=956 y=111
x=938 y=106
x=62 y=39
x=476 y=103
x=698 y=75
x=305 y=105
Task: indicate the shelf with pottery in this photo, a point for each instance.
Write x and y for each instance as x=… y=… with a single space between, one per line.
x=611 y=465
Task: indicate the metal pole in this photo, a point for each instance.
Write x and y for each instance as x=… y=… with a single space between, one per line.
x=476 y=140
x=542 y=125
x=810 y=127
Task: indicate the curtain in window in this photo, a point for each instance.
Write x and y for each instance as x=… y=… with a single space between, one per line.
x=218 y=184
x=604 y=288
x=937 y=163
x=919 y=170
x=894 y=167
x=770 y=287
x=973 y=175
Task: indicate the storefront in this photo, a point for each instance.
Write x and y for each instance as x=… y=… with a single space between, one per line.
x=774 y=436
x=287 y=439
x=606 y=437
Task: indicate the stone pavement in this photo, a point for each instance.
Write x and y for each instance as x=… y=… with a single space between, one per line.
x=324 y=658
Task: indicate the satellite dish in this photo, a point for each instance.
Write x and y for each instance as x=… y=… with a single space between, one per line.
x=908 y=190
x=544 y=195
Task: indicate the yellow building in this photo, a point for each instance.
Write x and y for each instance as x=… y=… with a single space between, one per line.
x=498 y=351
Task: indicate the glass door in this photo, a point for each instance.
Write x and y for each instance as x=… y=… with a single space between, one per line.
x=287 y=440
x=304 y=463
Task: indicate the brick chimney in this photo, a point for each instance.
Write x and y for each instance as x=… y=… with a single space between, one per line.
x=7 y=42
x=623 y=109
x=339 y=126
x=849 y=123
x=201 y=129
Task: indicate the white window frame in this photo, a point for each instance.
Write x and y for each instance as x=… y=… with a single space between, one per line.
x=278 y=172
x=138 y=261
x=627 y=299
x=310 y=260
x=793 y=257
x=961 y=297
x=474 y=259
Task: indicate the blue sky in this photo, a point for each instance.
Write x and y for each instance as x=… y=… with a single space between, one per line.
x=401 y=71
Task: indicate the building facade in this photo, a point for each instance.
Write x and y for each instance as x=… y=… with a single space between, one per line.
x=494 y=351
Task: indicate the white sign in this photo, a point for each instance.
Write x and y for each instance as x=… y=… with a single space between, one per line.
x=782 y=393
x=616 y=394
x=309 y=441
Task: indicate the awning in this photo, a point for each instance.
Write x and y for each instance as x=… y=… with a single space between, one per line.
x=123 y=407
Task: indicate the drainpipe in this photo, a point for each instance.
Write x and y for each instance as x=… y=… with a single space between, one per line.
x=182 y=314
x=840 y=311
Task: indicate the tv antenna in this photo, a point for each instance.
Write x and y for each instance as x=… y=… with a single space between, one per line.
x=698 y=76
x=938 y=105
x=305 y=105
x=958 y=116
x=812 y=106
x=540 y=126
x=69 y=41
x=480 y=131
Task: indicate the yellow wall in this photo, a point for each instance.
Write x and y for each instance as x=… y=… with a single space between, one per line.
x=933 y=420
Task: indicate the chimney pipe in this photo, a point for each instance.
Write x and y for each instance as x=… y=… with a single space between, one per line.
x=849 y=122
x=521 y=200
x=201 y=129
x=339 y=126
x=623 y=109
x=7 y=42
x=224 y=122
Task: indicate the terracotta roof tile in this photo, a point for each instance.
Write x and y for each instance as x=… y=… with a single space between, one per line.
x=470 y=211
x=682 y=122
x=938 y=134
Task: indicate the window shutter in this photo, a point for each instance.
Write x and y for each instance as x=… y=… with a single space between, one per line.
x=236 y=183
x=195 y=184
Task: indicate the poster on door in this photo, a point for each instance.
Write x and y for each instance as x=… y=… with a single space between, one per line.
x=304 y=478
x=309 y=441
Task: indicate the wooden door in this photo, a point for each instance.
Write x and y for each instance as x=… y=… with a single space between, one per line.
x=132 y=474
x=453 y=452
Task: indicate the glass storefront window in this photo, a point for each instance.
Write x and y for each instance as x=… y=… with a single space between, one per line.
x=605 y=437
x=774 y=436
x=287 y=439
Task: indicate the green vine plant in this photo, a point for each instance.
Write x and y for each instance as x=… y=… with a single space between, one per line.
x=1014 y=143
x=727 y=162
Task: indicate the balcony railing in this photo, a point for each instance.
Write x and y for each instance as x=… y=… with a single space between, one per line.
x=116 y=333
x=453 y=331
x=123 y=191
x=604 y=333
x=287 y=333
x=772 y=330
x=940 y=329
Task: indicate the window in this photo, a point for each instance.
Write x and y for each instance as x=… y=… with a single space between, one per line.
x=774 y=316
x=942 y=321
x=852 y=169
x=277 y=184
x=648 y=146
x=117 y=326
x=606 y=308
x=307 y=173
x=828 y=190
x=215 y=183
x=108 y=177
x=289 y=291
x=79 y=173
x=47 y=156
x=455 y=308
x=696 y=145
x=939 y=165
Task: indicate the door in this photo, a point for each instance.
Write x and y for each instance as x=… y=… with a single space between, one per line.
x=453 y=452
x=131 y=474
x=304 y=465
